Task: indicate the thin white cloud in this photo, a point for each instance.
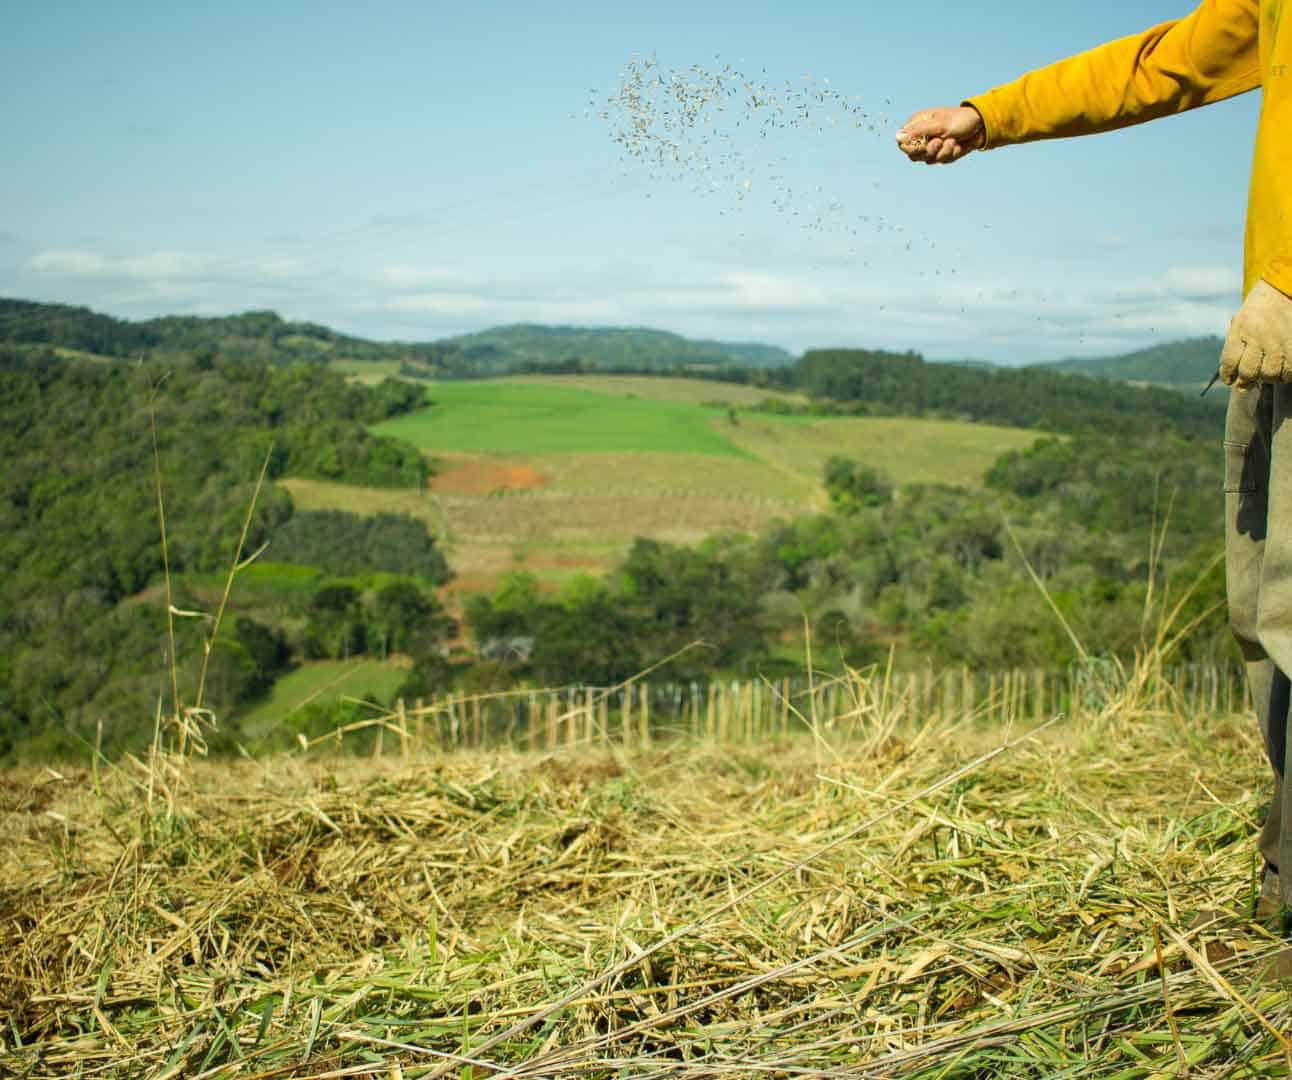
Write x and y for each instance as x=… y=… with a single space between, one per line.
x=1203 y=282
x=923 y=306
x=67 y=263
x=154 y=266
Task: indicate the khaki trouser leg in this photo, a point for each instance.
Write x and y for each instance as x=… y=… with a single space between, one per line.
x=1258 y=549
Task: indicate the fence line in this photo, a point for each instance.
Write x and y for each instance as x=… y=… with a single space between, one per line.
x=638 y=715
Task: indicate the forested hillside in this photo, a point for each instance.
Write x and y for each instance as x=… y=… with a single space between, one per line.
x=1178 y=363
x=80 y=552
x=526 y=347
x=261 y=336
x=878 y=383
x=265 y=337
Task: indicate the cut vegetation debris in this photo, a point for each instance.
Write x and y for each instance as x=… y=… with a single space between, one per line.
x=890 y=900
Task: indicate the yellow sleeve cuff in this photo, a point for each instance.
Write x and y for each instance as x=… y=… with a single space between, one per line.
x=982 y=106
x=1279 y=274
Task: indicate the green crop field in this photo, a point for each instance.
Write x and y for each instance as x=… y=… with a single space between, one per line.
x=506 y=417
x=558 y=474
x=321 y=682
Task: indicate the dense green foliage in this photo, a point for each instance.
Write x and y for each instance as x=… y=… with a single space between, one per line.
x=526 y=347
x=266 y=338
x=261 y=336
x=344 y=620
x=81 y=632
x=1177 y=363
x=852 y=486
x=933 y=570
x=24 y=322
x=347 y=544
x=876 y=383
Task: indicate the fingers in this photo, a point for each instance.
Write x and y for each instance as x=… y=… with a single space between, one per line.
x=932 y=150
x=1244 y=364
x=939 y=136
x=1229 y=359
x=924 y=123
x=920 y=135
x=949 y=151
x=1256 y=347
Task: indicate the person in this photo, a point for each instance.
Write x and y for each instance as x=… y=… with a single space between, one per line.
x=1224 y=48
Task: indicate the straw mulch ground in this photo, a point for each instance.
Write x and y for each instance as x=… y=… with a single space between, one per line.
x=810 y=909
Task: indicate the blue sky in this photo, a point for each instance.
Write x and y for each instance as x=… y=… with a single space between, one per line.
x=413 y=170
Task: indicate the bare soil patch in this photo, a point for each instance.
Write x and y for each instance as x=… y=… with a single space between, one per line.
x=481 y=476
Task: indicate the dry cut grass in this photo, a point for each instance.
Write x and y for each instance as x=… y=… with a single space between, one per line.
x=875 y=898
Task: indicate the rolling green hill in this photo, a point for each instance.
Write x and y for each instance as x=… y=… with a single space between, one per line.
x=1174 y=363
x=261 y=336
x=608 y=348
x=266 y=337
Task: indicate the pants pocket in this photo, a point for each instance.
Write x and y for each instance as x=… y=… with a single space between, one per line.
x=1240 y=468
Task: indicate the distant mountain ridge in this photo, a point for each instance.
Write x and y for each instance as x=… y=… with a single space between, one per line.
x=267 y=337
x=613 y=347
x=1174 y=363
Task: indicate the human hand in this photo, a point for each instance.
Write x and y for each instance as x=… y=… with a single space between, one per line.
x=1260 y=340
x=941 y=136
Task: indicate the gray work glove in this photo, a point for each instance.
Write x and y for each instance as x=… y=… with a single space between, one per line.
x=1259 y=345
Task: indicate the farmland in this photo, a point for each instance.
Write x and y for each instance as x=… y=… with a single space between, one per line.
x=870 y=895
x=545 y=417
x=559 y=474
x=321 y=680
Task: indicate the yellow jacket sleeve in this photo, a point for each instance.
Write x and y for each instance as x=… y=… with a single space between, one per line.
x=1179 y=65
x=1223 y=48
